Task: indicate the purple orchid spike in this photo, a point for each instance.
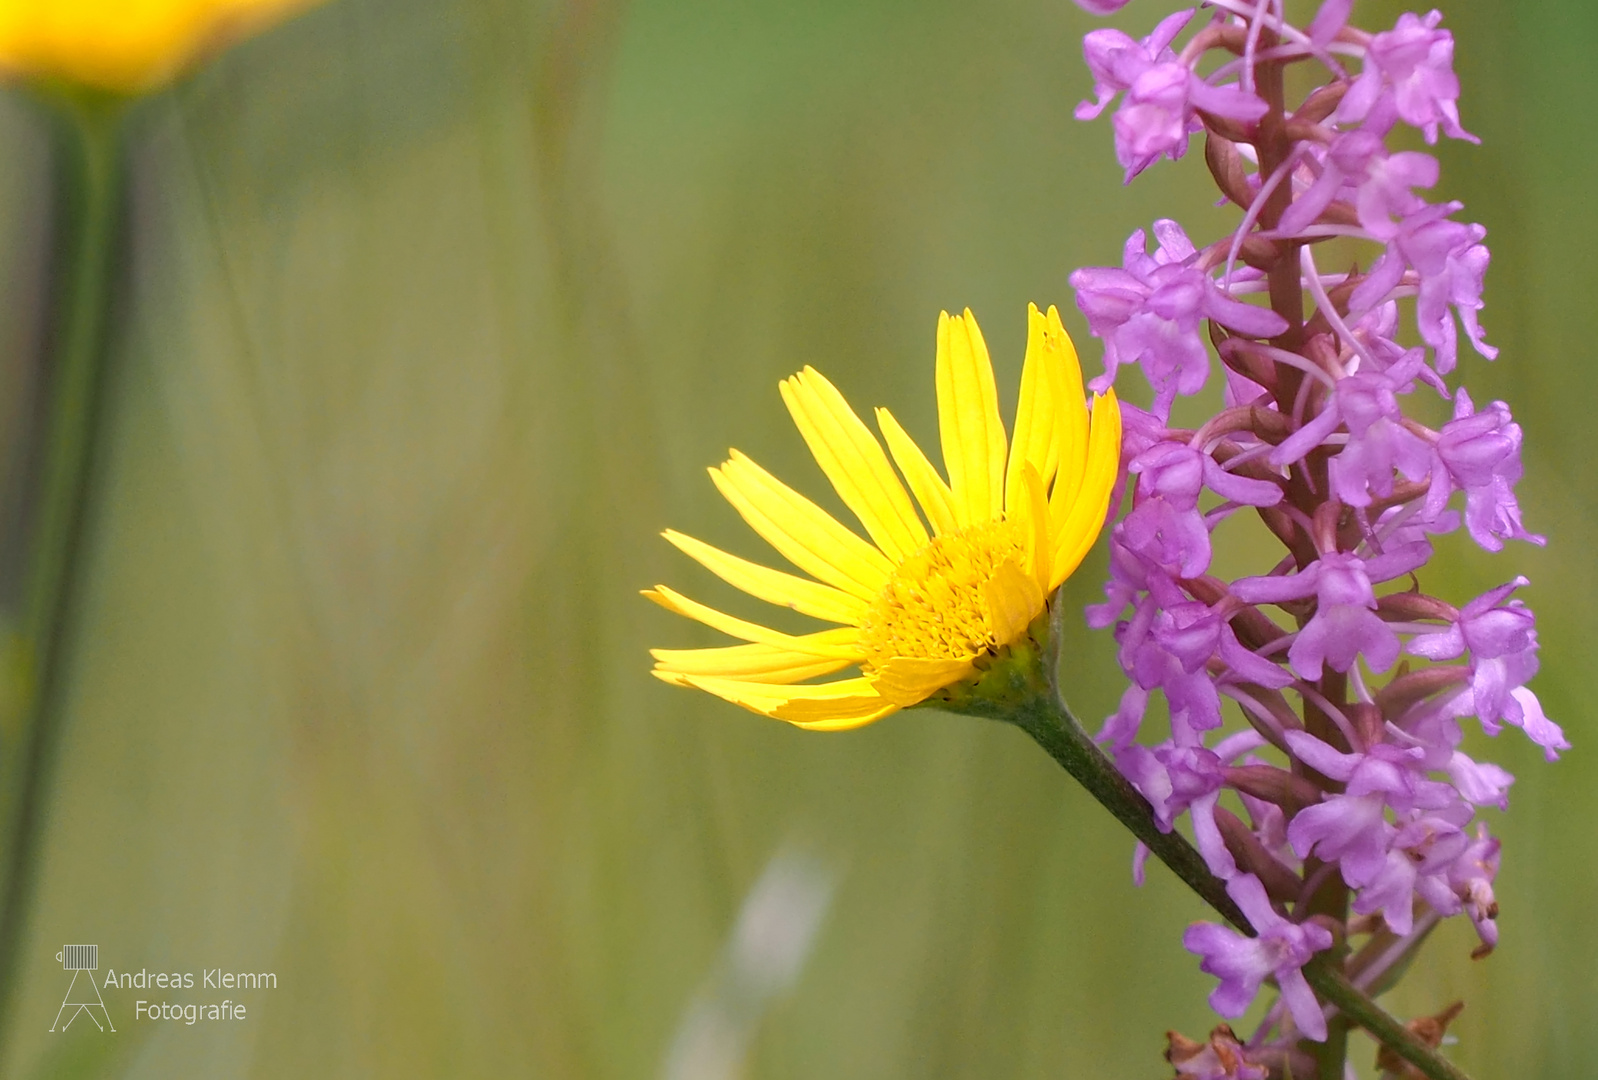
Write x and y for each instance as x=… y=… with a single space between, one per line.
x=1360 y=803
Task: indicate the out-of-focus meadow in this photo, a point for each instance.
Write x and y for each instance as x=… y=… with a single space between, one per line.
x=433 y=315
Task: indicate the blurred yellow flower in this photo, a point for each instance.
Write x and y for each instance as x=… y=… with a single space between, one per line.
x=124 y=46
x=919 y=608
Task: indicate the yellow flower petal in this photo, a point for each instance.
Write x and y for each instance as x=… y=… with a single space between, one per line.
x=930 y=490
x=1035 y=413
x=805 y=534
x=861 y=712
x=834 y=706
x=1065 y=374
x=1035 y=516
x=675 y=601
x=905 y=680
x=854 y=462
x=773 y=586
x=968 y=420
x=1013 y=600
x=1076 y=530
x=754 y=663
x=836 y=713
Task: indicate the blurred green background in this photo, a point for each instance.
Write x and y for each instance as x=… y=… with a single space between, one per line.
x=433 y=315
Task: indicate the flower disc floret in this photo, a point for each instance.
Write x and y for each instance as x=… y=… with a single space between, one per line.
x=937 y=606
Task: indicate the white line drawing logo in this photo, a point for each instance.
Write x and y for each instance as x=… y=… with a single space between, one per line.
x=78 y=959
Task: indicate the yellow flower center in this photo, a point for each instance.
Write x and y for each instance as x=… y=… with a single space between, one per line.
x=937 y=605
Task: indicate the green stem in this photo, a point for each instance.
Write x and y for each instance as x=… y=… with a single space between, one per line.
x=1017 y=691
x=1053 y=727
x=1331 y=1054
x=90 y=193
x=1328 y=980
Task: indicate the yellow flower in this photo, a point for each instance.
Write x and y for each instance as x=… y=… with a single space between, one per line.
x=919 y=608
x=124 y=46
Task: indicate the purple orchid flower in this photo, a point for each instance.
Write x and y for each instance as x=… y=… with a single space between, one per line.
x=1345 y=625
x=1281 y=949
x=1358 y=167
x=1449 y=262
x=1149 y=311
x=1378 y=443
x=1479 y=453
x=1410 y=69
x=1177 y=779
x=1157 y=117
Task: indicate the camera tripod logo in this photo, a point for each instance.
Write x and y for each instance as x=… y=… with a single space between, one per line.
x=79 y=959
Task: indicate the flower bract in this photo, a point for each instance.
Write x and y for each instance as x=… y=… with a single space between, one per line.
x=922 y=603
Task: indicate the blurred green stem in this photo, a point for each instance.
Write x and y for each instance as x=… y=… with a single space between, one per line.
x=89 y=188
x=1021 y=690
